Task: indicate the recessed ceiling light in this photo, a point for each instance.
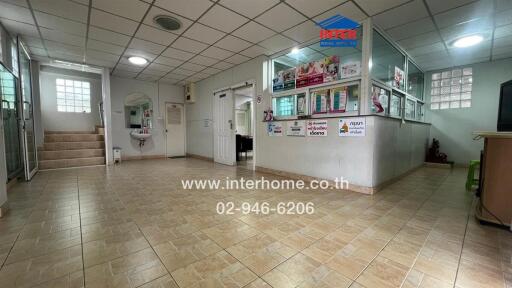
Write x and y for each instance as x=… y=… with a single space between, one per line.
x=295 y=50
x=137 y=60
x=468 y=41
x=167 y=22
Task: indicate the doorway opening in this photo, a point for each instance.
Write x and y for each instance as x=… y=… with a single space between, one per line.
x=175 y=130
x=244 y=133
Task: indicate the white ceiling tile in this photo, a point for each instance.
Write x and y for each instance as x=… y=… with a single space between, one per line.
x=124 y=74
x=155 y=35
x=154 y=72
x=191 y=9
x=115 y=23
x=249 y=9
x=348 y=9
x=427 y=49
x=177 y=54
x=502 y=42
x=102 y=55
x=20 y=28
x=483 y=26
x=373 y=7
x=32 y=41
x=280 y=18
x=184 y=72
x=221 y=18
x=175 y=77
x=217 y=53
x=37 y=51
x=63 y=8
x=502 y=52
x=503 y=31
x=155 y=11
x=437 y=6
x=159 y=67
x=277 y=43
x=22 y=3
x=313 y=8
x=108 y=36
x=142 y=45
x=168 y=61
x=503 y=5
x=202 y=60
x=503 y=17
x=412 y=29
x=423 y=39
x=57 y=47
x=105 y=47
x=406 y=13
x=62 y=37
x=133 y=9
x=189 y=45
x=99 y=62
x=66 y=57
x=147 y=77
x=253 y=32
x=16 y=13
x=192 y=67
x=217 y=68
x=61 y=24
x=129 y=67
x=233 y=44
x=476 y=10
x=303 y=32
x=237 y=59
x=254 y=51
x=204 y=33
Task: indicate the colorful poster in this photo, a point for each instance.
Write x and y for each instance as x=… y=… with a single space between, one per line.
x=352 y=127
x=317 y=128
x=331 y=67
x=301 y=104
x=315 y=73
x=296 y=128
x=377 y=106
x=351 y=69
x=339 y=97
x=302 y=73
x=289 y=79
x=278 y=82
x=275 y=128
x=320 y=101
x=399 y=78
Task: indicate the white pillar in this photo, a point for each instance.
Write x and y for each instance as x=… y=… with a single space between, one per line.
x=107 y=115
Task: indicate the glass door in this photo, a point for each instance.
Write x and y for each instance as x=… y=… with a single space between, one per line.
x=27 y=110
x=10 y=114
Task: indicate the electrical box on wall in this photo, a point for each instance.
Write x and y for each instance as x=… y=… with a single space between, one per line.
x=190 y=93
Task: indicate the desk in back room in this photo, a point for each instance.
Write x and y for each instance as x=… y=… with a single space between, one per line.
x=496 y=178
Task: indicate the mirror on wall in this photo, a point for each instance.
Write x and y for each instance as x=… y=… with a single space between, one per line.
x=138 y=111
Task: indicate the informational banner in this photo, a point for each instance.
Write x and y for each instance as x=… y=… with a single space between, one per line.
x=352 y=127
x=339 y=99
x=275 y=128
x=320 y=101
x=296 y=128
x=317 y=128
x=350 y=69
x=331 y=67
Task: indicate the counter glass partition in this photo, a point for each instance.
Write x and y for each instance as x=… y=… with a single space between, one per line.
x=387 y=63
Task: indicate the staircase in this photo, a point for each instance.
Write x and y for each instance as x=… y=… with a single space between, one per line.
x=64 y=149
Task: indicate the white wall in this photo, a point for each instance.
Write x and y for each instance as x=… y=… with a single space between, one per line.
x=454 y=127
x=52 y=120
x=159 y=94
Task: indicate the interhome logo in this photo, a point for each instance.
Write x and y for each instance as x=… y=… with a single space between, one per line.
x=338 y=31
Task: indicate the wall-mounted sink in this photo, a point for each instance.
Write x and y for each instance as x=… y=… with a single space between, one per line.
x=140 y=136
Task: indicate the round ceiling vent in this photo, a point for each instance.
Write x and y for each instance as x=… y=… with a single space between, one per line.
x=167 y=22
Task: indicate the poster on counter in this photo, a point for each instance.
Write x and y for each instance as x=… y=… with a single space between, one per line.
x=317 y=128
x=289 y=79
x=339 y=97
x=377 y=104
x=296 y=128
x=278 y=82
x=301 y=104
x=331 y=67
x=398 y=78
x=351 y=69
x=352 y=127
x=301 y=77
x=308 y=74
x=275 y=128
x=320 y=101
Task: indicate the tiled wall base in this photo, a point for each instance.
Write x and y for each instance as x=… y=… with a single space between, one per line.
x=142 y=157
x=199 y=157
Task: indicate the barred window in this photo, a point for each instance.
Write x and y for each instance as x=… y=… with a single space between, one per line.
x=73 y=96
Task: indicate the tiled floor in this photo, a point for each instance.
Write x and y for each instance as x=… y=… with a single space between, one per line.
x=133 y=226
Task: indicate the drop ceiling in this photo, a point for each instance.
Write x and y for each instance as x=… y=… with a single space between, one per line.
x=216 y=35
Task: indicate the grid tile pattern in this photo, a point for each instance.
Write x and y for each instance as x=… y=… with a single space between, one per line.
x=134 y=226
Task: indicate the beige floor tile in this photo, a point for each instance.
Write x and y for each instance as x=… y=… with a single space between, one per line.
x=230 y=233
x=473 y=274
x=383 y=272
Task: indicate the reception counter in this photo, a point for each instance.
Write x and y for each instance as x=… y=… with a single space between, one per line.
x=496 y=178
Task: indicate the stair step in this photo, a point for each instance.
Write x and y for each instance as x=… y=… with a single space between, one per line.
x=52 y=146
x=71 y=154
x=67 y=163
x=69 y=132
x=72 y=137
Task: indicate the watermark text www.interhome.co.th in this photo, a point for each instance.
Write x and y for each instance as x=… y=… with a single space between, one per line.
x=262 y=183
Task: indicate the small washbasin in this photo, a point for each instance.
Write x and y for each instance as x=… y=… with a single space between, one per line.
x=140 y=136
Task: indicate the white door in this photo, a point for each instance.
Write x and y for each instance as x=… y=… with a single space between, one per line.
x=175 y=129
x=223 y=128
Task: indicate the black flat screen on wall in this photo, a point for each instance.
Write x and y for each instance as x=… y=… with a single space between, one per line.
x=505 y=109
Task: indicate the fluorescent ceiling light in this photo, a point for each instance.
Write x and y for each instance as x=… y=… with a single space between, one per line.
x=468 y=41
x=295 y=50
x=137 y=60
